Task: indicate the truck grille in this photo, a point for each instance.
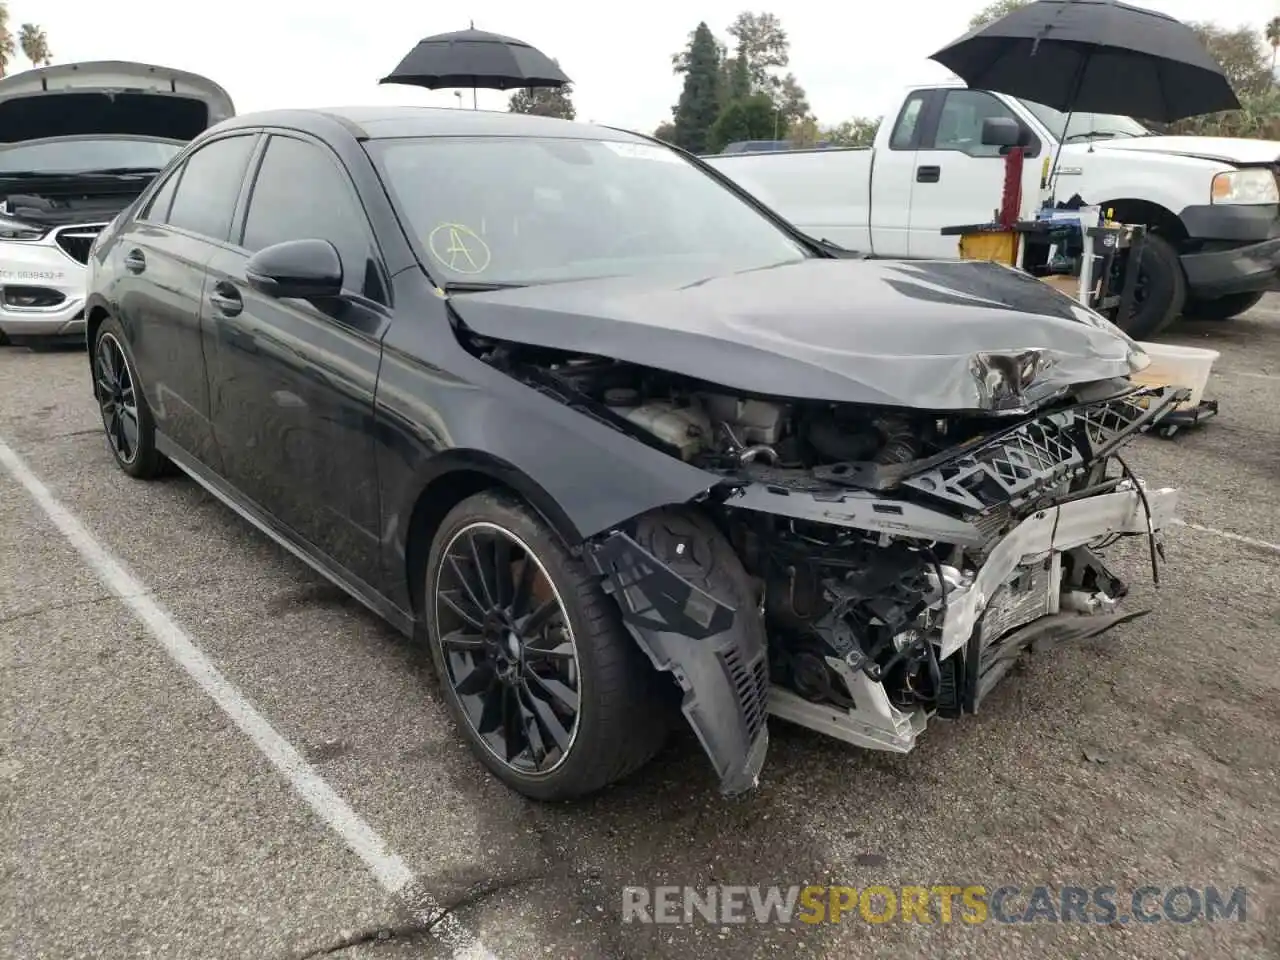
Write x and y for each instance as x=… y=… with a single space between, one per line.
x=76 y=241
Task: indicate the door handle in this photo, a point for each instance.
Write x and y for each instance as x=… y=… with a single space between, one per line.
x=928 y=174
x=134 y=261
x=226 y=298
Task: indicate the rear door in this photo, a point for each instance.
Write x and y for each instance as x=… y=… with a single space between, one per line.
x=958 y=180
x=893 y=177
x=163 y=255
x=292 y=381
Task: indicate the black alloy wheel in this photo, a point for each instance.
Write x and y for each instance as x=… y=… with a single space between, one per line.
x=126 y=418
x=117 y=399
x=508 y=648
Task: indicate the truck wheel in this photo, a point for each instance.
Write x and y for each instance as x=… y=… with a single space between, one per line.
x=1222 y=308
x=537 y=669
x=1161 y=292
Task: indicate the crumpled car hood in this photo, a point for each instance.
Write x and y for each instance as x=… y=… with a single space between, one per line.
x=897 y=333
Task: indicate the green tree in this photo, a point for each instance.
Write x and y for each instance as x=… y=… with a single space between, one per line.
x=35 y=45
x=737 y=77
x=791 y=100
x=858 y=132
x=699 y=103
x=1243 y=55
x=762 y=46
x=544 y=102
x=751 y=118
x=666 y=132
x=7 y=47
x=1272 y=34
x=1246 y=62
x=994 y=11
x=804 y=132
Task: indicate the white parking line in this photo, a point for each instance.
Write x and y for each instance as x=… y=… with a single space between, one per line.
x=1228 y=535
x=391 y=872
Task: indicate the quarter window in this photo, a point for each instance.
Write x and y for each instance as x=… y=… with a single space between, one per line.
x=157 y=209
x=206 y=198
x=300 y=193
x=904 y=131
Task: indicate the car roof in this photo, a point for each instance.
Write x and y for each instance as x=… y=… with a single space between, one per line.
x=385 y=122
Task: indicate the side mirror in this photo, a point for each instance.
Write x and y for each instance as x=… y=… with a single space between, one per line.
x=305 y=269
x=1000 y=132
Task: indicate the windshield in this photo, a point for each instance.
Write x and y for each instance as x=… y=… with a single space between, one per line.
x=1085 y=126
x=85 y=155
x=529 y=210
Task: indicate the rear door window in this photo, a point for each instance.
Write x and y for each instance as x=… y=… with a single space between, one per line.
x=205 y=200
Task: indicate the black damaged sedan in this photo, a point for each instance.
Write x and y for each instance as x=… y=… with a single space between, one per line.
x=615 y=440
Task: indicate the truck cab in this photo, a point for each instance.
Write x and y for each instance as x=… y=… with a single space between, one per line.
x=1212 y=205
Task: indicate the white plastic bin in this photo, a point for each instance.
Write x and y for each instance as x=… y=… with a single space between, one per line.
x=1173 y=366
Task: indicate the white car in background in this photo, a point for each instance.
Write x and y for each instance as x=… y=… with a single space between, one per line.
x=78 y=143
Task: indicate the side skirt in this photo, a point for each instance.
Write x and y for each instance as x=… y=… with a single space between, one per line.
x=286 y=538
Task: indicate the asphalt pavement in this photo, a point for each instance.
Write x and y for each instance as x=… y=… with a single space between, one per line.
x=210 y=752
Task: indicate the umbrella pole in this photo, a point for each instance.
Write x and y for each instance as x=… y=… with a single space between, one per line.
x=1057 y=155
x=1062 y=138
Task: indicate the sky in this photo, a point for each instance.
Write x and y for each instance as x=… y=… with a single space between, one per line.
x=853 y=57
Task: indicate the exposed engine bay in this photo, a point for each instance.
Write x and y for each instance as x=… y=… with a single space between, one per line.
x=66 y=204
x=902 y=560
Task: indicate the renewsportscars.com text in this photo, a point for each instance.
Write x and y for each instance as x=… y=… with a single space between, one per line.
x=940 y=904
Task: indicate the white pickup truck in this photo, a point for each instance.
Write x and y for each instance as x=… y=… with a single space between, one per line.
x=1212 y=205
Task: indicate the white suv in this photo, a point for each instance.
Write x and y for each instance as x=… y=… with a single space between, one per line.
x=78 y=143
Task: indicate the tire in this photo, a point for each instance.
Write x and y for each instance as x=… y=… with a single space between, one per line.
x=133 y=450
x=620 y=721
x=1162 y=290
x=1223 y=308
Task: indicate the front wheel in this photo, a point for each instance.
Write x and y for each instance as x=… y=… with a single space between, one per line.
x=1222 y=308
x=551 y=692
x=1161 y=290
x=126 y=418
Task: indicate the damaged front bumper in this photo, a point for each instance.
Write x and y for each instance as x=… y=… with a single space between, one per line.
x=1019 y=598
x=1025 y=574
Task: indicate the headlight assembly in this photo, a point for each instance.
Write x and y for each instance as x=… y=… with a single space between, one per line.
x=17 y=230
x=1249 y=185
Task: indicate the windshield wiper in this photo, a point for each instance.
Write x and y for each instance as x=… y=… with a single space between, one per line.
x=1109 y=134
x=110 y=172
x=477 y=286
x=117 y=172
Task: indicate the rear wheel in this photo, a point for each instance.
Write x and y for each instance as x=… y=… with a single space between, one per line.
x=1223 y=308
x=551 y=692
x=1161 y=290
x=126 y=418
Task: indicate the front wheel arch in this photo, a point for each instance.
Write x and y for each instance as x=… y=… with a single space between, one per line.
x=455 y=476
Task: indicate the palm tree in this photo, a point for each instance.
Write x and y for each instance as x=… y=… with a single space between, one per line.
x=1273 y=38
x=7 y=48
x=35 y=45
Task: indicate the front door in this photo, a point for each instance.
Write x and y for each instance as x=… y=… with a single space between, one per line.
x=959 y=181
x=292 y=381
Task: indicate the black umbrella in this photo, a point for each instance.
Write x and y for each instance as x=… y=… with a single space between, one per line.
x=474 y=58
x=1095 y=56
